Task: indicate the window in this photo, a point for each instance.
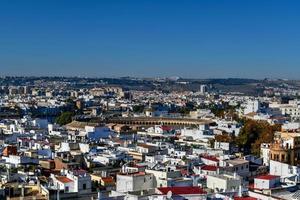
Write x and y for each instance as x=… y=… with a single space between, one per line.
x=84 y=186
x=67 y=189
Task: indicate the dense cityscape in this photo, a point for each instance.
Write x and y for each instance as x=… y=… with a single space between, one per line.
x=149 y=138
x=149 y=100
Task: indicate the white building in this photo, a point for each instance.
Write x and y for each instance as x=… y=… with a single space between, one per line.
x=239 y=166
x=266 y=182
x=169 y=177
x=231 y=127
x=285 y=171
x=203 y=89
x=203 y=132
x=291 y=126
x=134 y=182
x=224 y=182
x=291 y=110
x=95 y=133
x=210 y=160
x=53 y=129
x=72 y=181
x=252 y=106
x=63 y=183
x=18 y=160
x=265 y=153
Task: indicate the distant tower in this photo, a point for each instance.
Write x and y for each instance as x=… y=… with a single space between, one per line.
x=203 y=89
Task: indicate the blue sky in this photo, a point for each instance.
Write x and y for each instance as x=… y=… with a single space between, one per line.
x=151 y=38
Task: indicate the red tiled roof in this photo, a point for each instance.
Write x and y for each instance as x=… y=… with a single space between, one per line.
x=209 y=168
x=267 y=177
x=107 y=179
x=133 y=174
x=182 y=190
x=245 y=198
x=212 y=158
x=139 y=166
x=251 y=186
x=63 y=179
x=166 y=128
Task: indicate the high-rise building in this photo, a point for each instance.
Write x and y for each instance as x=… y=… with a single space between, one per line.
x=203 y=89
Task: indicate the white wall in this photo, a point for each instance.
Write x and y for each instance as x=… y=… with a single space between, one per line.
x=282 y=169
x=266 y=184
x=265 y=153
x=223 y=183
x=127 y=183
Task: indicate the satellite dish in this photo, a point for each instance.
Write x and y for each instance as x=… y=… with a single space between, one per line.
x=169 y=195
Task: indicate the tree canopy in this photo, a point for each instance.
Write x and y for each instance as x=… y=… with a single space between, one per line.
x=64 y=118
x=254 y=133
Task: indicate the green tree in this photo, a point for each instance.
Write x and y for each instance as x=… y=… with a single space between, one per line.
x=138 y=108
x=64 y=118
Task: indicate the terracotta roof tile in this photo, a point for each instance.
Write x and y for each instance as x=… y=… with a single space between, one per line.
x=181 y=190
x=64 y=179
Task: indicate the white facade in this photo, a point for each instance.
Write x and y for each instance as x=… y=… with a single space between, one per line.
x=210 y=160
x=203 y=132
x=292 y=110
x=291 y=126
x=162 y=178
x=284 y=170
x=65 y=186
x=239 y=166
x=82 y=181
x=53 y=130
x=203 y=89
x=251 y=106
x=265 y=153
x=230 y=127
x=222 y=145
x=96 y=133
x=134 y=182
x=266 y=183
x=224 y=182
x=17 y=160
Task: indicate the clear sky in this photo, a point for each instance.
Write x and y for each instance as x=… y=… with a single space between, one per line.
x=151 y=38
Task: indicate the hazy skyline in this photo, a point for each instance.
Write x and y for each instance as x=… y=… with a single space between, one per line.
x=144 y=38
